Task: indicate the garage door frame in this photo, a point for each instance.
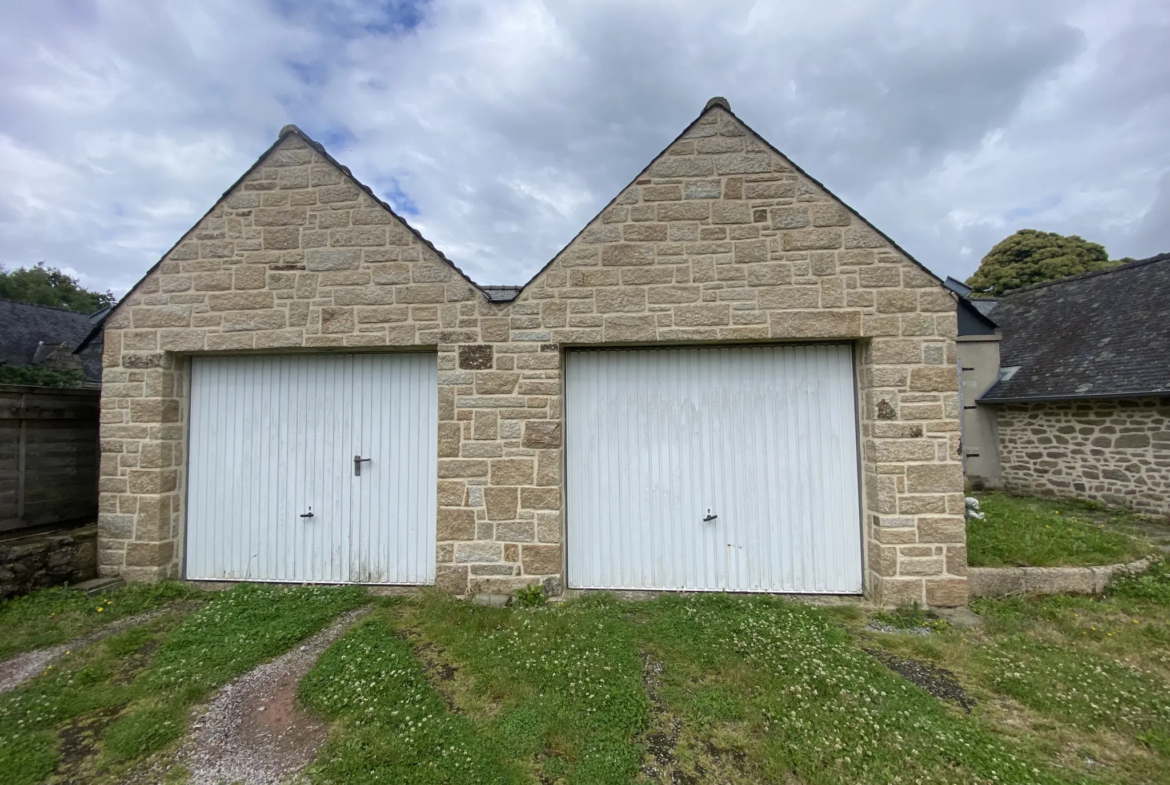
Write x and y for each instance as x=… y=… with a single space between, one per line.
x=855 y=392
x=185 y=534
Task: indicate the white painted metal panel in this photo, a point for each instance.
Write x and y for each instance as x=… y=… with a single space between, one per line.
x=272 y=437
x=764 y=438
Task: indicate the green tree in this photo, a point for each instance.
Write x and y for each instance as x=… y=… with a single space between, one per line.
x=41 y=285
x=1030 y=256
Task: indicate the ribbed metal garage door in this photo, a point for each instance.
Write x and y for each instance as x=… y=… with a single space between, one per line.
x=713 y=469
x=275 y=493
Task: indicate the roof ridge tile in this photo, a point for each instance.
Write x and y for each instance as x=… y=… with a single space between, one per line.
x=1162 y=257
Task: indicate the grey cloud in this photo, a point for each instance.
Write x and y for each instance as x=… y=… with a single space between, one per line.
x=511 y=125
x=897 y=107
x=1152 y=234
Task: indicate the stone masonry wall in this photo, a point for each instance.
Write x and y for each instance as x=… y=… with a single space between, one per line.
x=1113 y=451
x=719 y=240
x=37 y=561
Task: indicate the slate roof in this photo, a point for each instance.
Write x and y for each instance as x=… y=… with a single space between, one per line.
x=24 y=327
x=984 y=305
x=1103 y=334
x=501 y=294
x=972 y=320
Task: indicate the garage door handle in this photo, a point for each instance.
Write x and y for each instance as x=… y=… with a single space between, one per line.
x=308 y=514
x=357 y=465
x=709 y=517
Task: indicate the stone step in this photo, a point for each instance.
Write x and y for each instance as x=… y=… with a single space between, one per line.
x=491 y=600
x=960 y=617
x=98 y=586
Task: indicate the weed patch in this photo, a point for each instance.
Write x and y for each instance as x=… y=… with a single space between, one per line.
x=142 y=732
x=238 y=630
x=531 y=596
x=683 y=689
x=31 y=761
x=1093 y=664
x=912 y=617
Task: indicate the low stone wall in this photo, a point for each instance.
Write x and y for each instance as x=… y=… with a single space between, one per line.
x=1113 y=451
x=1008 y=581
x=52 y=559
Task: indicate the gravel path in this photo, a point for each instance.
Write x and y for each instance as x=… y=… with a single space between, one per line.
x=253 y=733
x=19 y=669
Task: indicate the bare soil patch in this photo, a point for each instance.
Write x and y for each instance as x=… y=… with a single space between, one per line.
x=437 y=669
x=442 y=674
x=707 y=762
x=78 y=747
x=660 y=763
x=939 y=682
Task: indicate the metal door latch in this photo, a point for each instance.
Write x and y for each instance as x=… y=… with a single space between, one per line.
x=308 y=514
x=357 y=465
x=709 y=517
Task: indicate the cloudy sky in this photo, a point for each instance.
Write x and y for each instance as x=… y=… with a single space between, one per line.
x=499 y=128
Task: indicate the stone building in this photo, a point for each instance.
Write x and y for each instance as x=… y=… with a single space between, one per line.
x=1071 y=395
x=978 y=351
x=41 y=336
x=727 y=380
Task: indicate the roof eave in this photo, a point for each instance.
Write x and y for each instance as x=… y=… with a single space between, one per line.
x=1075 y=397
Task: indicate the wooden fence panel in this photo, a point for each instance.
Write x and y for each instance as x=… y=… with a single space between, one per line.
x=49 y=456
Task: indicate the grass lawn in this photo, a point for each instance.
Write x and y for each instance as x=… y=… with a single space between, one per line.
x=680 y=689
x=53 y=616
x=130 y=693
x=1085 y=682
x=1029 y=532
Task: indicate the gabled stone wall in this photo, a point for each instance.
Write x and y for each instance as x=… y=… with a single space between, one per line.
x=721 y=240
x=1113 y=451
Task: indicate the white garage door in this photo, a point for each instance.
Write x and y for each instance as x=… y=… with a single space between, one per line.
x=713 y=469
x=276 y=491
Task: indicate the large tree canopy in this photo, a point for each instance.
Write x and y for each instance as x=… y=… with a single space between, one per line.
x=1030 y=256
x=42 y=285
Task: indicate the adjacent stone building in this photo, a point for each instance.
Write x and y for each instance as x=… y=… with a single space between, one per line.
x=720 y=242
x=40 y=336
x=1080 y=406
x=978 y=350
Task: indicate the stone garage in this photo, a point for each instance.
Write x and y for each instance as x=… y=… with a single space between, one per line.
x=728 y=380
